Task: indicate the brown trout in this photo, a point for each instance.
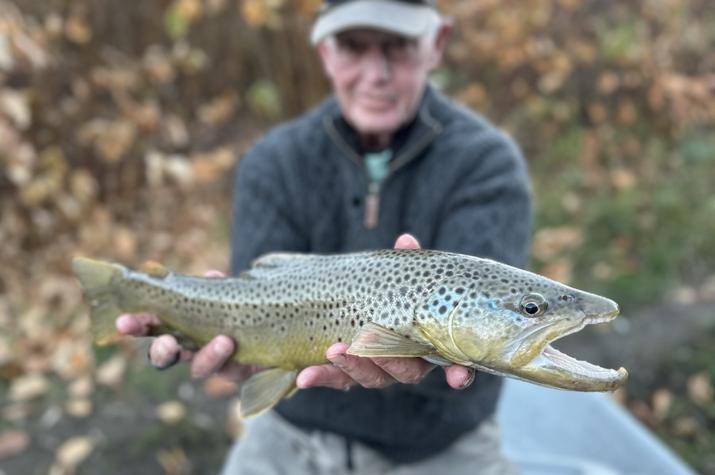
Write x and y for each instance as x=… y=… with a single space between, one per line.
x=289 y=308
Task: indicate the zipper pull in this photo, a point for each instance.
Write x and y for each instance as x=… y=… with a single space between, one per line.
x=377 y=166
x=372 y=206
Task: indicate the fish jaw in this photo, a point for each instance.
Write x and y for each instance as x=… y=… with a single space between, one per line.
x=556 y=369
x=538 y=361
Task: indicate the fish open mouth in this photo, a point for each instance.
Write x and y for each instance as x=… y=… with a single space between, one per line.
x=554 y=368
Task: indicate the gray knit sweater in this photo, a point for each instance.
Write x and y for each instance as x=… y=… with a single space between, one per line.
x=455 y=182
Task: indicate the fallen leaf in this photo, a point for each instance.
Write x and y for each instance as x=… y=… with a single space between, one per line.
x=78 y=30
x=174 y=461
x=82 y=387
x=552 y=242
x=700 y=388
x=14 y=104
x=685 y=426
x=13 y=442
x=71 y=453
x=28 y=387
x=560 y=270
x=112 y=371
x=662 y=401
x=216 y=386
x=218 y=110
x=623 y=179
x=171 y=412
x=79 y=407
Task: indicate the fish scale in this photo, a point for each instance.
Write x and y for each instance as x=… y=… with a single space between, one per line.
x=288 y=309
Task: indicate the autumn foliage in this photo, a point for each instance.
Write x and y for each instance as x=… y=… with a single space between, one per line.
x=120 y=123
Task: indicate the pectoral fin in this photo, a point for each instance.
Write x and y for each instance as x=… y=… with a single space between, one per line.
x=374 y=340
x=263 y=390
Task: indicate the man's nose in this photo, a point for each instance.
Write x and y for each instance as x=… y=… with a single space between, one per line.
x=376 y=64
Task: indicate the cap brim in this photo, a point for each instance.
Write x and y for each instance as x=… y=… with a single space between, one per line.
x=395 y=17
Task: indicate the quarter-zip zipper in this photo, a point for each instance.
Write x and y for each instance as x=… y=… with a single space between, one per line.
x=371 y=215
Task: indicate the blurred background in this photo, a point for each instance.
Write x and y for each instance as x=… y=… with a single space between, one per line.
x=120 y=124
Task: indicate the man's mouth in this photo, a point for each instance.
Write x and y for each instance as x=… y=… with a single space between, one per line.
x=376 y=101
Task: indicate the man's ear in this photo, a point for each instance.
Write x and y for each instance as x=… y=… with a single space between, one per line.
x=440 y=42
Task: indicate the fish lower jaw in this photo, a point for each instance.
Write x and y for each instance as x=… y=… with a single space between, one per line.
x=570 y=373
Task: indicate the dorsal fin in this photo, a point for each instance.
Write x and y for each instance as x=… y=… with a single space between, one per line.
x=275 y=259
x=155 y=269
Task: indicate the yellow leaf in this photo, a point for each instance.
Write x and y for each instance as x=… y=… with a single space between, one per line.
x=216 y=386
x=662 y=401
x=14 y=104
x=171 y=412
x=551 y=242
x=700 y=388
x=28 y=387
x=219 y=110
x=174 y=462
x=112 y=371
x=78 y=30
x=79 y=407
x=71 y=453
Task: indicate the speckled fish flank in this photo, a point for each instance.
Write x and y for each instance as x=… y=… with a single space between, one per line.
x=289 y=308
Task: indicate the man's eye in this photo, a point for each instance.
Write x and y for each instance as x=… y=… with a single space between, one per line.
x=351 y=46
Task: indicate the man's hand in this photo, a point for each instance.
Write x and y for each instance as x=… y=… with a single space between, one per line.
x=344 y=372
x=348 y=370
x=165 y=351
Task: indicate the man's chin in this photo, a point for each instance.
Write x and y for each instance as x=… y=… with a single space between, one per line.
x=375 y=122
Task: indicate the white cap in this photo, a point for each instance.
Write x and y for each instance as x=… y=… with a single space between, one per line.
x=412 y=18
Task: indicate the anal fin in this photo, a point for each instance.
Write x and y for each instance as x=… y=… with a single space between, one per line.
x=263 y=390
x=374 y=340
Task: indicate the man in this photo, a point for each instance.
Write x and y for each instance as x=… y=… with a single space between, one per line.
x=386 y=155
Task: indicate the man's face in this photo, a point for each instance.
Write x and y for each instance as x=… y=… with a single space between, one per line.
x=378 y=77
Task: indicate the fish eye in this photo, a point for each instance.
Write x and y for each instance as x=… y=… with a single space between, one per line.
x=533 y=305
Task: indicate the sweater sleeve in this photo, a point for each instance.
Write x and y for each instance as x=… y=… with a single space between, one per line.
x=262 y=218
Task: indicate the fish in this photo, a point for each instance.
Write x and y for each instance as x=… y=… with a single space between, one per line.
x=288 y=308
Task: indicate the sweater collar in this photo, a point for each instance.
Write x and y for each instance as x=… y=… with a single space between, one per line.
x=407 y=143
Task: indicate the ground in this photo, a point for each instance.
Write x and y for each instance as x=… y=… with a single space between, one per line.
x=148 y=422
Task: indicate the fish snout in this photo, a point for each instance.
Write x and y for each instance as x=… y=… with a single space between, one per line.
x=601 y=309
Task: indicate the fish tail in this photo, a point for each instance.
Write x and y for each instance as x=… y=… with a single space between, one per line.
x=98 y=283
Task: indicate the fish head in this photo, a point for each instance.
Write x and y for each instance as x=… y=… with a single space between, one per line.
x=507 y=318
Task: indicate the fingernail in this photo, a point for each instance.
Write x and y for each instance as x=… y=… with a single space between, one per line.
x=471 y=374
x=163 y=356
x=222 y=348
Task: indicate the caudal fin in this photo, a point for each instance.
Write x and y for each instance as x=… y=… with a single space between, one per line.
x=97 y=279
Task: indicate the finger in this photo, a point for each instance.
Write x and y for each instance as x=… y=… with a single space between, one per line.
x=236 y=372
x=407 y=241
x=325 y=376
x=212 y=357
x=139 y=324
x=405 y=370
x=362 y=370
x=164 y=352
x=459 y=377
x=214 y=274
